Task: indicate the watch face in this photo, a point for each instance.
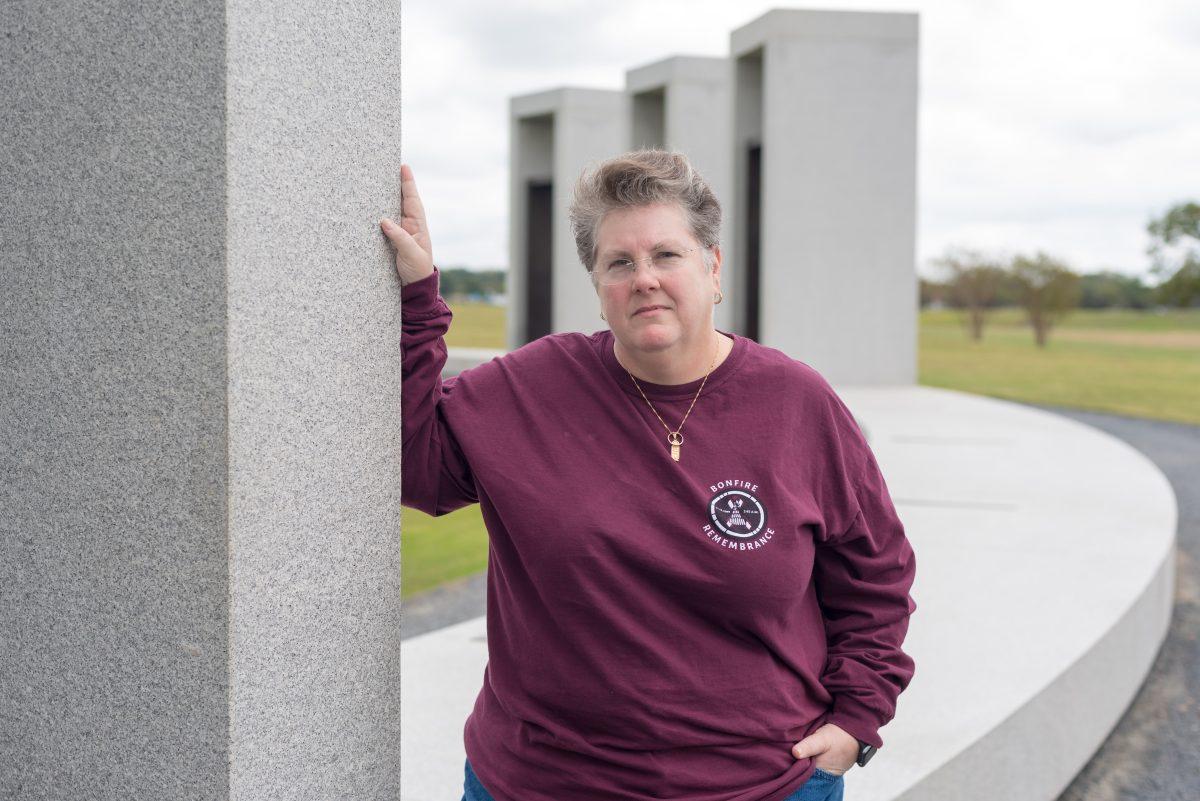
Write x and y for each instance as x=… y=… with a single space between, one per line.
x=865 y=752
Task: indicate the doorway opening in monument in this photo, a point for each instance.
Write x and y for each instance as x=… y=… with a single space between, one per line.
x=538 y=272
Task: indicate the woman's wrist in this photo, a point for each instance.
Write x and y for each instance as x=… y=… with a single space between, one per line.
x=404 y=283
x=421 y=295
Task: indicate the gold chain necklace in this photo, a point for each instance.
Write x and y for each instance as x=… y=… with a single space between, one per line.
x=675 y=438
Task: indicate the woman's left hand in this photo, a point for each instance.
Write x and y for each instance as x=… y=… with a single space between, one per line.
x=832 y=749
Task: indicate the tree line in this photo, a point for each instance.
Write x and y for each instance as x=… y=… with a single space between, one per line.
x=459 y=283
x=1048 y=289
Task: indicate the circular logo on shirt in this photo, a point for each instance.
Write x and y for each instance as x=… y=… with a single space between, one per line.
x=737 y=513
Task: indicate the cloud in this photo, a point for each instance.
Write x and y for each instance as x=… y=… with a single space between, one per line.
x=529 y=35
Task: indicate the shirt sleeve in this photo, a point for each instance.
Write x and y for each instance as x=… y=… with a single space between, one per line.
x=863 y=573
x=435 y=475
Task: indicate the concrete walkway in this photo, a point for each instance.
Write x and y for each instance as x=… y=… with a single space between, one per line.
x=1045 y=585
x=1153 y=754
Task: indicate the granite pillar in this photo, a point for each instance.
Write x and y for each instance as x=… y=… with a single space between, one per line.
x=199 y=399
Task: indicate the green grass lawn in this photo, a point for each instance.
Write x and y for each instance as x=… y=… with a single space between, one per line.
x=476 y=325
x=1137 y=364
x=438 y=549
x=1123 y=362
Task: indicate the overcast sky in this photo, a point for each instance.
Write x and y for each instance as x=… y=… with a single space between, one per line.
x=1046 y=124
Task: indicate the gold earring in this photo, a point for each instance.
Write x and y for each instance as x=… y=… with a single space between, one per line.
x=602 y=317
x=720 y=296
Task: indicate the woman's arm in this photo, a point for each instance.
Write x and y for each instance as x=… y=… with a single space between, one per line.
x=435 y=475
x=862 y=573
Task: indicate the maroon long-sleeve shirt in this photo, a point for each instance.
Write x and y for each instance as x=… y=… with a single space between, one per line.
x=659 y=629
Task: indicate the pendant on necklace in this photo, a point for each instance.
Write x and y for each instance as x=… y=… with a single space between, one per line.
x=675 y=439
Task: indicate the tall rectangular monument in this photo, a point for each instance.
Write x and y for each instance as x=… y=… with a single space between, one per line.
x=553 y=135
x=683 y=103
x=824 y=154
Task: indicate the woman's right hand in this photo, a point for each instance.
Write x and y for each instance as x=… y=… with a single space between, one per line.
x=414 y=253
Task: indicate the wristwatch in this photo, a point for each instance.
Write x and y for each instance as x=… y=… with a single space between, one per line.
x=865 y=752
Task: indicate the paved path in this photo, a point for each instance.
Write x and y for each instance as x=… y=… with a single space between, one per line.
x=1154 y=753
x=452 y=602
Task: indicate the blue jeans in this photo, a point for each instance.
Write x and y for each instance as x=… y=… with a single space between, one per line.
x=821 y=786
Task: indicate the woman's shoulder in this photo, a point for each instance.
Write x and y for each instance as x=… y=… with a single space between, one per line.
x=790 y=374
x=553 y=349
x=823 y=415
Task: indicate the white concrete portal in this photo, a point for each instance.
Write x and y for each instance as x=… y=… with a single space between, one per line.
x=683 y=103
x=825 y=144
x=1046 y=564
x=553 y=136
x=807 y=133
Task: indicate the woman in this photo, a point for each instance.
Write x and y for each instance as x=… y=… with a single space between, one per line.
x=698 y=586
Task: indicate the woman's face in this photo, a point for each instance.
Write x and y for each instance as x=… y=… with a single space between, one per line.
x=687 y=293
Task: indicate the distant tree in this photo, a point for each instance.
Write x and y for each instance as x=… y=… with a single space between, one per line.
x=1175 y=250
x=1108 y=289
x=1049 y=291
x=932 y=293
x=459 y=282
x=973 y=283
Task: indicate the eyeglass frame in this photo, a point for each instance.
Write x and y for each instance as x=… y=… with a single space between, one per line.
x=596 y=281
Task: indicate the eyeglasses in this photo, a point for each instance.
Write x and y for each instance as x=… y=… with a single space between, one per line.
x=618 y=271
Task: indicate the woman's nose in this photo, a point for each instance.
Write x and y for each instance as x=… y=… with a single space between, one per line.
x=645 y=275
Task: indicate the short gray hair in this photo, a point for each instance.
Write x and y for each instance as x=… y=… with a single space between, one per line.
x=642 y=178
